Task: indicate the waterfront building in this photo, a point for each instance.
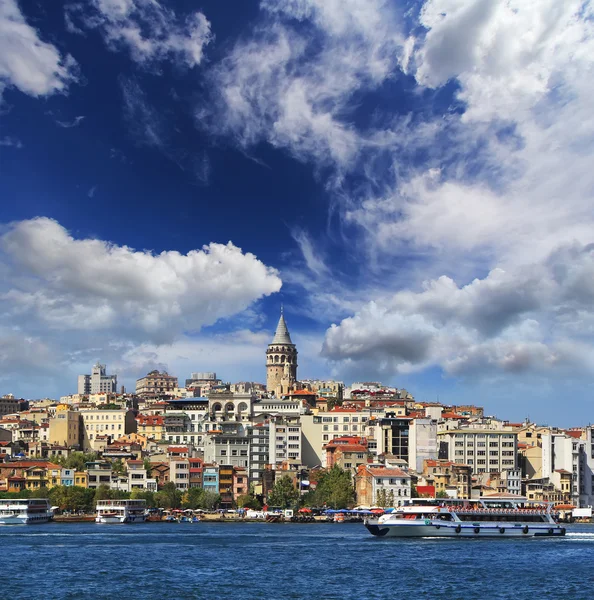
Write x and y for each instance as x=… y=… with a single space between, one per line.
x=230 y=449
x=281 y=361
x=81 y=479
x=395 y=435
x=485 y=450
x=259 y=448
x=448 y=477
x=210 y=478
x=226 y=485
x=179 y=472
x=67 y=477
x=284 y=445
x=97 y=382
x=99 y=473
x=385 y=486
x=196 y=472
x=348 y=453
x=155 y=384
x=568 y=451
x=240 y=482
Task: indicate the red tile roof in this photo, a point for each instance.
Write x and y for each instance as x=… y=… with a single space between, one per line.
x=387 y=472
x=451 y=415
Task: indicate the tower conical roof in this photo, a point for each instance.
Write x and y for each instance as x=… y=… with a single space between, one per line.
x=281 y=335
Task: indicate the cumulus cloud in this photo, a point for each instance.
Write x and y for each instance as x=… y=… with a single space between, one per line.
x=508 y=322
x=150 y=31
x=35 y=67
x=290 y=83
x=507 y=55
x=56 y=282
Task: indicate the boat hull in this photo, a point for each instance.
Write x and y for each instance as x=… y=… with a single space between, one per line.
x=25 y=520
x=464 y=530
x=120 y=519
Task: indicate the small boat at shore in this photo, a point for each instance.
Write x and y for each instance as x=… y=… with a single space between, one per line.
x=121 y=511
x=467 y=518
x=25 y=511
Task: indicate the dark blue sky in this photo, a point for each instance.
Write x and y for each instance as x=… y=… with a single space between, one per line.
x=382 y=160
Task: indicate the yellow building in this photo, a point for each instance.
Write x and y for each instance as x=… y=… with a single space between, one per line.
x=151 y=426
x=42 y=475
x=81 y=479
x=98 y=423
x=64 y=427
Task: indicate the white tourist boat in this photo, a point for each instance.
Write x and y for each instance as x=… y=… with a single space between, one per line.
x=494 y=518
x=121 y=511
x=25 y=511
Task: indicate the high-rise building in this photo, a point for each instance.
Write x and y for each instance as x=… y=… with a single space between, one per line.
x=281 y=361
x=98 y=382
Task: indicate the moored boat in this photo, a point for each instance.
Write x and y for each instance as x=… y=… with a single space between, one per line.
x=25 y=511
x=467 y=518
x=121 y=511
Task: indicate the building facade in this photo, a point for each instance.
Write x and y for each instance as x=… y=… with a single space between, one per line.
x=98 y=382
x=156 y=384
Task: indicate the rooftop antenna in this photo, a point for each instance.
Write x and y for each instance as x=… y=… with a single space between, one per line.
x=282 y=308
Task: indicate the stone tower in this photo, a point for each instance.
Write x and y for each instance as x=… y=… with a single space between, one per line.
x=281 y=361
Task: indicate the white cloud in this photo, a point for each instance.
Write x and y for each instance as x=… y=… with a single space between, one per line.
x=150 y=31
x=291 y=84
x=11 y=142
x=506 y=54
x=68 y=124
x=55 y=282
x=535 y=318
x=33 y=66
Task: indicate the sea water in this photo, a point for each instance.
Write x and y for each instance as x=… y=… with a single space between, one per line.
x=261 y=560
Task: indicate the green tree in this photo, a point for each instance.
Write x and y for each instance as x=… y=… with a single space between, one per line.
x=41 y=492
x=380 y=497
x=145 y=495
x=210 y=500
x=169 y=496
x=248 y=501
x=441 y=494
x=193 y=498
x=146 y=463
x=335 y=489
x=118 y=467
x=72 y=498
x=76 y=460
x=283 y=493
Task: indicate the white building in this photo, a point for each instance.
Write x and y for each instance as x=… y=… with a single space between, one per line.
x=422 y=443
x=485 y=450
x=98 y=382
x=113 y=423
x=561 y=451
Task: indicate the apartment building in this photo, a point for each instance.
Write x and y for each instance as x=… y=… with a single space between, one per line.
x=97 y=424
x=484 y=450
x=65 y=427
x=156 y=384
x=388 y=486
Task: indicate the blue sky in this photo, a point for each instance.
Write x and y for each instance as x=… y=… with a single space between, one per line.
x=412 y=180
